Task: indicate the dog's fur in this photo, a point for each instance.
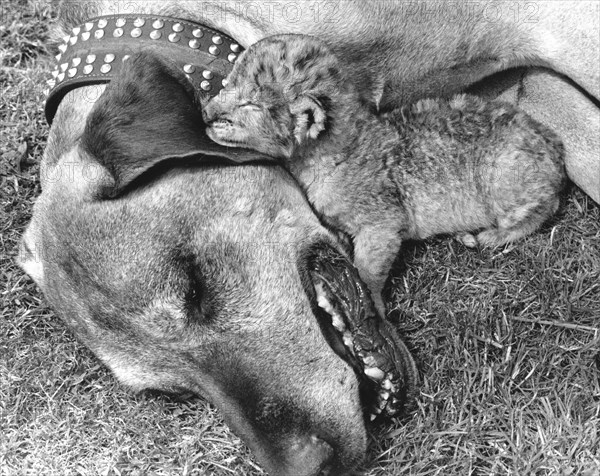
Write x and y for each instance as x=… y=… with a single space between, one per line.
x=195 y=278
x=438 y=167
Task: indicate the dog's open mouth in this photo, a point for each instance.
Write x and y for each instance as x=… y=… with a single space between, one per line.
x=360 y=336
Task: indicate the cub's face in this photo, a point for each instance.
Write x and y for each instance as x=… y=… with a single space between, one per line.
x=250 y=115
x=276 y=96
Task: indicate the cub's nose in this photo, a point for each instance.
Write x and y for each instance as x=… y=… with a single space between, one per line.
x=208 y=113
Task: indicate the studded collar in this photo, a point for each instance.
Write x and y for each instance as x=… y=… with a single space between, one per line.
x=94 y=52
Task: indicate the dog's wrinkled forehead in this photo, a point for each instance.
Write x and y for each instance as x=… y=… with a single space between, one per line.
x=290 y=64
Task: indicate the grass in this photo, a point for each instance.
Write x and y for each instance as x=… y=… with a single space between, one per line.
x=508 y=342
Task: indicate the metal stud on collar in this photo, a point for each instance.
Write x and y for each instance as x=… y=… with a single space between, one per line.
x=85 y=57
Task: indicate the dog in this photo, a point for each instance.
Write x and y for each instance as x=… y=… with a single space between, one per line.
x=438 y=167
x=188 y=276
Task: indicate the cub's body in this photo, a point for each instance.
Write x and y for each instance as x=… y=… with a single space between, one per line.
x=439 y=166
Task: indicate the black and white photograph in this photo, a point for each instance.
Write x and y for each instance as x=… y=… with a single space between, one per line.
x=300 y=238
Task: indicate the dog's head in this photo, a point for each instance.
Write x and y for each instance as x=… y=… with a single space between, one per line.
x=181 y=273
x=283 y=91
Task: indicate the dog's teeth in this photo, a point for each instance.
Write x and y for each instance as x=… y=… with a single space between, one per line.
x=347 y=339
x=322 y=300
x=370 y=361
x=385 y=395
x=323 y=303
x=338 y=322
x=374 y=373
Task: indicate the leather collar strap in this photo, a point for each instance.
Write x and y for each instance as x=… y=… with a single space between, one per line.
x=95 y=51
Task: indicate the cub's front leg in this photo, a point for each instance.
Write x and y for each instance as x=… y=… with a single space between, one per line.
x=375 y=249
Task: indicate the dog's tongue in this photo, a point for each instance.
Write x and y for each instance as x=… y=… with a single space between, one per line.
x=383 y=362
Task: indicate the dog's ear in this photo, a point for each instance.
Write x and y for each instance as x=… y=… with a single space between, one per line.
x=146 y=115
x=310 y=117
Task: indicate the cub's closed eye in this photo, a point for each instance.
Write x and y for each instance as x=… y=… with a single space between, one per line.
x=250 y=106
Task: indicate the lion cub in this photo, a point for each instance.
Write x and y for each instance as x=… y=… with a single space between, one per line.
x=440 y=166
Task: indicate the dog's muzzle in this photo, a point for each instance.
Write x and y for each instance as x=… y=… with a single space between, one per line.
x=95 y=51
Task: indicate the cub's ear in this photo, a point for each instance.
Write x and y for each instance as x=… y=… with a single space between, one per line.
x=146 y=115
x=310 y=117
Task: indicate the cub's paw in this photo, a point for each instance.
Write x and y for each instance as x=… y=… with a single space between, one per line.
x=467 y=239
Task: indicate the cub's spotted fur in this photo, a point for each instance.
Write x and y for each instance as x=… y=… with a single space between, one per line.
x=439 y=166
